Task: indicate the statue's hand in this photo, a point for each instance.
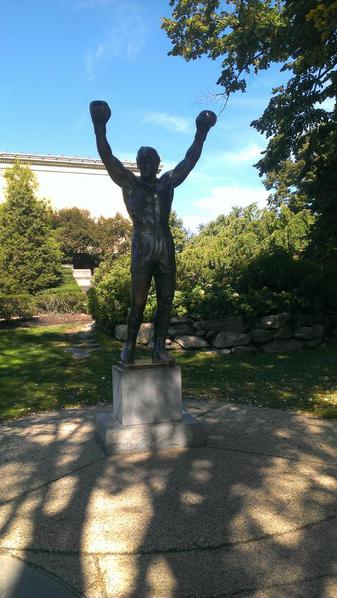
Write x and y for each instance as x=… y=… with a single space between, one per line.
x=205 y=121
x=100 y=112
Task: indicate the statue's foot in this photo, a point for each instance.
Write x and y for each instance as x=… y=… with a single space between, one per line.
x=128 y=353
x=160 y=355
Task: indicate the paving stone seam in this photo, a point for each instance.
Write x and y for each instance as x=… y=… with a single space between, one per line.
x=208 y=446
x=174 y=550
x=50 y=482
x=272 y=455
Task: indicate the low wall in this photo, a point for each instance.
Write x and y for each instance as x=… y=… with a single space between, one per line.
x=277 y=333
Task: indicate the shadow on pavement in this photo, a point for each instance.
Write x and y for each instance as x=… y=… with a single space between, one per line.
x=251 y=514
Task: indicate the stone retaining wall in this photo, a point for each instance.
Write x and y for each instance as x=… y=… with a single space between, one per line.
x=277 y=333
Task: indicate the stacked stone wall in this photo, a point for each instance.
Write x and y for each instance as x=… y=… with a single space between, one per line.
x=276 y=333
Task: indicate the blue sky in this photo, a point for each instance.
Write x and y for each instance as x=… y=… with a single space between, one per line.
x=58 y=55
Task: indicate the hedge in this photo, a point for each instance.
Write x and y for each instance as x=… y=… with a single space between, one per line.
x=21 y=305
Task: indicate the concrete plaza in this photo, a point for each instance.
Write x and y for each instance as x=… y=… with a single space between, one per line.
x=251 y=514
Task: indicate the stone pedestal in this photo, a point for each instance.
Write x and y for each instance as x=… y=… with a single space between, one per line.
x=147 y=412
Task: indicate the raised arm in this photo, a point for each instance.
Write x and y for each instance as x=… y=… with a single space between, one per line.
x=204 y=122
x=100 y=114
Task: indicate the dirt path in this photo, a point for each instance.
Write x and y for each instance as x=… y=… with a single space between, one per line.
x=48 y=320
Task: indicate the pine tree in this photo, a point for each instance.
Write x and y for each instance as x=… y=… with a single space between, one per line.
x=30 y=258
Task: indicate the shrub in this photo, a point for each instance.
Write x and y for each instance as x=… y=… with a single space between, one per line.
x=17 y=306
x=61 y=301
x=109 y=296
x=66 y=298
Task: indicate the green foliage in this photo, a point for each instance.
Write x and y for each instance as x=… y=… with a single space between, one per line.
x=248 y=262
x=108 y=298
x=68 y=282
x=61 y=302
x=82 y=239
x=76 y=232
x=179 y=232
x=114 y=235
x=20 y=305
x=29 y=255
x=300 y=120
x=67 y=297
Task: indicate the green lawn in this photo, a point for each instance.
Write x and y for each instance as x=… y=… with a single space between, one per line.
x=37 y=374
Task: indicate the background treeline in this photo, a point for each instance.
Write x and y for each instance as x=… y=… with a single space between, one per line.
x=36 y=242
x=251 y=262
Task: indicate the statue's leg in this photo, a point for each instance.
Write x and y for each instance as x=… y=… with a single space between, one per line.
x=165 y=287
x=140 y=285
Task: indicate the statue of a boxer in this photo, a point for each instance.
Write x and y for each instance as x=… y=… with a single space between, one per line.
x=148 y=200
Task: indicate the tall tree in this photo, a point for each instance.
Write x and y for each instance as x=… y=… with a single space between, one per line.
x=76 y=232
x=30 y=259
x=301 y=118
x=114 y=235
x=179 y=232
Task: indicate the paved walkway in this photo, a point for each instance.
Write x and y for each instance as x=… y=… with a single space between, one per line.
x=252 y=514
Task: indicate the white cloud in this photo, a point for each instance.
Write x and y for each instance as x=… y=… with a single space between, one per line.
x=221 y=200
x=247 y=154
x=250 y=154
x=124 y=36
x=170 y=122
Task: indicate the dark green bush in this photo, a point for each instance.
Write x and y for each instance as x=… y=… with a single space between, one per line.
x=21 y=305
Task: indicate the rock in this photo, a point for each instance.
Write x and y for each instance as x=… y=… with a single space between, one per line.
x=230 y=323
x=121 y=331
x=211 y=334
x=305 y=320
x=225 y=351
x=173 y=346
x=199 y=332
x=191 y=342
x=144 y=336
x=313 y=343
x=282 y=333
x=317 y=330
x=275 y=321
x=240 y=350
x=175 y=320
x=231 y=339
x=332 y=320
x=283 y=346
x=168 y=344
x=260 y=335
x=303 y=333
x=181 y=328
x=78 y=352
x=145 y=333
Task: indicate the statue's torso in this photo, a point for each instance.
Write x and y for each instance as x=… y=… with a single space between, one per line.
x=149 y=206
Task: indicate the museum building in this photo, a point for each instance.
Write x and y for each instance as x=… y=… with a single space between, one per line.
x=71 y=182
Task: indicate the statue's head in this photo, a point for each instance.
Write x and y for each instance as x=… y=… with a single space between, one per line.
x=148 y=161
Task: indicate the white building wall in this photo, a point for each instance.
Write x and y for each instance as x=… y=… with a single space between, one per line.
x=67 y=185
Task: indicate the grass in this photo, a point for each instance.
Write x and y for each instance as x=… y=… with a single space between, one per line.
x=67 y=284
x=37 y=374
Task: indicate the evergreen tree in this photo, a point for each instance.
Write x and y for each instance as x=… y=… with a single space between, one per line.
x=30 y=259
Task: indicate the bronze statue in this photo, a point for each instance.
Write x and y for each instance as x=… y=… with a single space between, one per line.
x=148 y=200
